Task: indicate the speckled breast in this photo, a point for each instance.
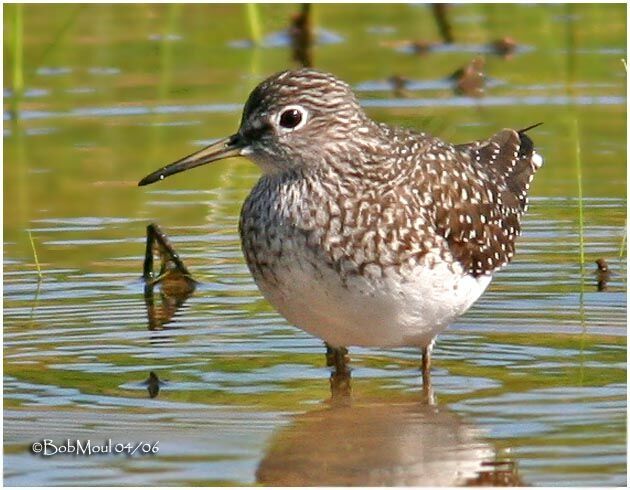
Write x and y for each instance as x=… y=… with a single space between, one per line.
x=278 y=230
x=334 y=224
x=354 y=270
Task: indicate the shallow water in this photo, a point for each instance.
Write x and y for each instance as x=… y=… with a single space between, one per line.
x=529 y=385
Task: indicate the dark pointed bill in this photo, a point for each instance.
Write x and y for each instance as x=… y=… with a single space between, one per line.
x=225 y=148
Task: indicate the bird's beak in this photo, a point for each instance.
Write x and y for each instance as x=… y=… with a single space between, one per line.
x=232 y=146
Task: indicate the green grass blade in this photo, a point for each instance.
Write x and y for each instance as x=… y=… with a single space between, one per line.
x=18 y=58
x=622 y=247
x=39 y=269
x=253 y=19
x=18 y=49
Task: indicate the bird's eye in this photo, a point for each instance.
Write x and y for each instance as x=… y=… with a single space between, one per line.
x=292 y=118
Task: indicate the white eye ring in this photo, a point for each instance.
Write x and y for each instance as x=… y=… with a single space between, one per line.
x=291 y=118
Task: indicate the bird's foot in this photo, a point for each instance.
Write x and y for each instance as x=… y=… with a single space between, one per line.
x=337 y=357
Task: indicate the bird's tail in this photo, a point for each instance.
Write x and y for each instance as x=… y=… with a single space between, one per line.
x=526 y=164
x=510 y=156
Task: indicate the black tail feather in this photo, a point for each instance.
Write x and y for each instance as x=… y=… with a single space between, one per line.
x=521 y=131
x=527 y=145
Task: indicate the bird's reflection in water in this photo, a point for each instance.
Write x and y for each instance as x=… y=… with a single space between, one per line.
x=385 y=442
x=173 y=292
x=174 y=283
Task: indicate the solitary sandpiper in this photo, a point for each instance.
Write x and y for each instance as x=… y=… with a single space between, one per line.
x=364 y=234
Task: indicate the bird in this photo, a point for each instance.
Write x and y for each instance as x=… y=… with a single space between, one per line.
x=362 y=233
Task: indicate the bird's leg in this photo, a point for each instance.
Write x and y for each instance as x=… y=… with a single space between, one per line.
x=337 y=357
x=426 y=368
x=426 y=364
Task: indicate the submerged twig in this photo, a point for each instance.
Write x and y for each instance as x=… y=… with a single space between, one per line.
x=156 y=237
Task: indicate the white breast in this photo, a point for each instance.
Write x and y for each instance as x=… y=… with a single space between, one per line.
x=384 y=312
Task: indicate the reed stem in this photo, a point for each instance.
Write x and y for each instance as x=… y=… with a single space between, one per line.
x=578 y=168
x=622 y=247
x=253 y=18
x=18 y=57
x=37 y=266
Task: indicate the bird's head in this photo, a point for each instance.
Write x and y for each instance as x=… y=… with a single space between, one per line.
x=300 y=118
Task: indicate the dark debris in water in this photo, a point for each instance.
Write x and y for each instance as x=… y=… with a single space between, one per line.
x=505 y=47
x=405 y=87
x=399 y=85
x=603 y=274
x=153 y=384
x=469 y=80
x=420 y=47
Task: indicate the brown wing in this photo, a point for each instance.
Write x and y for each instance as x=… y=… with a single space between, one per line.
x=480 y=211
